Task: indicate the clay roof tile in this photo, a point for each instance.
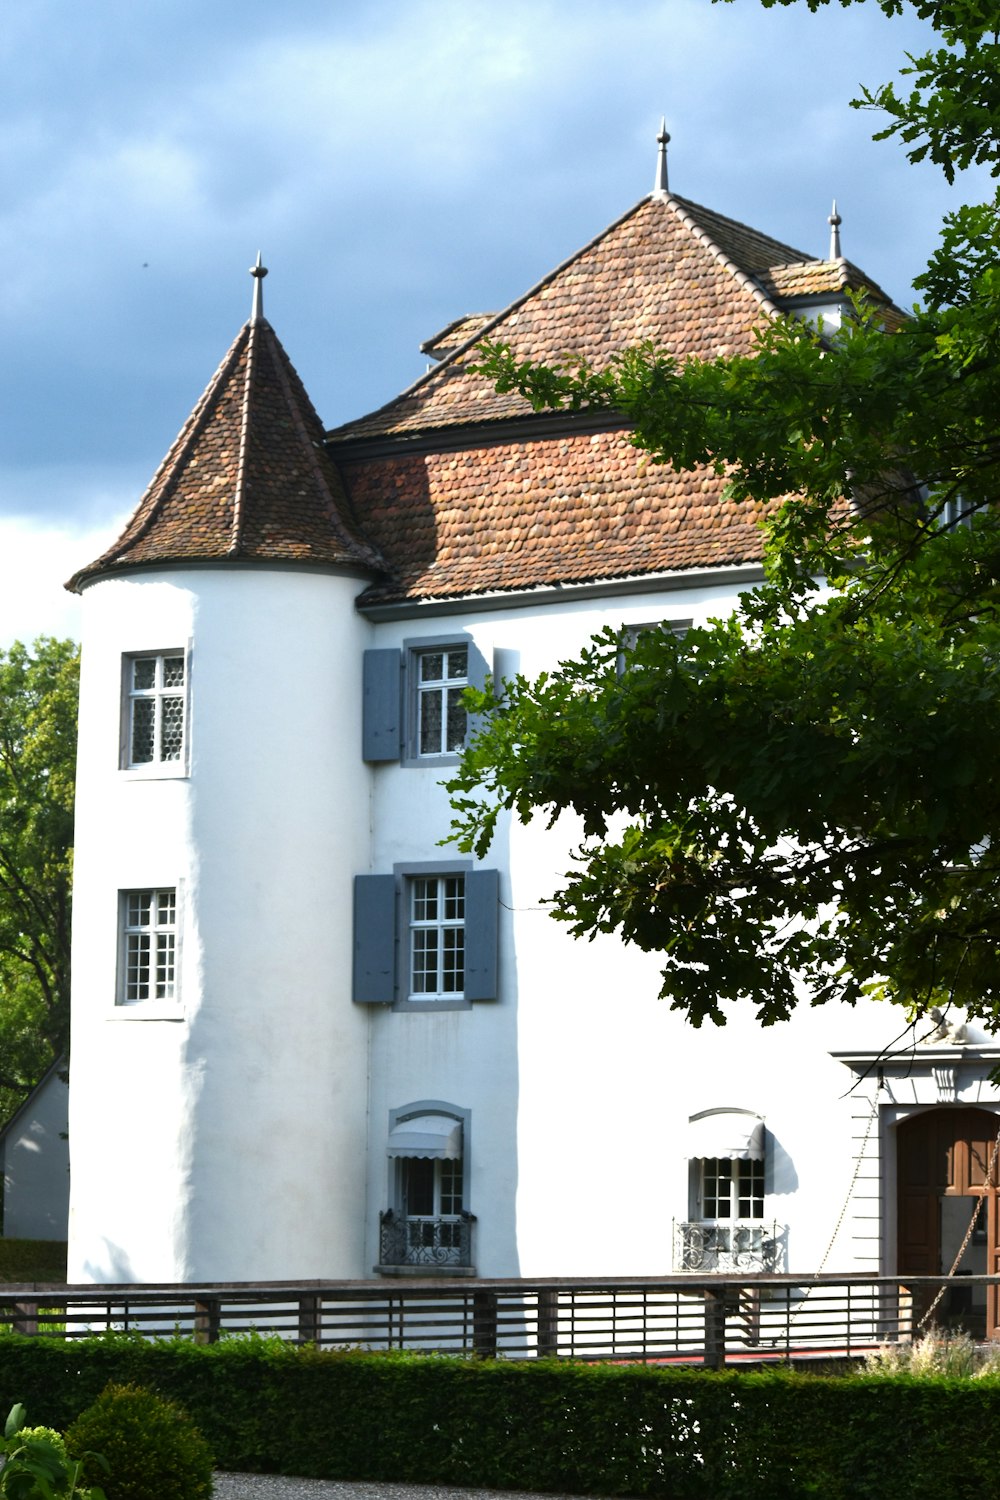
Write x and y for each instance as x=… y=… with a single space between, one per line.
x=462 y=502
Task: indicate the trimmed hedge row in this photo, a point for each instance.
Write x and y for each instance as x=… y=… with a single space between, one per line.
x=33 y=1260
x=543 y=1426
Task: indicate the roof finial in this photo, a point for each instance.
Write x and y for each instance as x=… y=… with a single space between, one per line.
x=834 y=220
x=660 y=188
x=258 y=272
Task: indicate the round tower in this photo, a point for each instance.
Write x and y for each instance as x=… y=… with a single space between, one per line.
x=218 y=1091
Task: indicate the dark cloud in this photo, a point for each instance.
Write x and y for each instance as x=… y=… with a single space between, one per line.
x=398 y=162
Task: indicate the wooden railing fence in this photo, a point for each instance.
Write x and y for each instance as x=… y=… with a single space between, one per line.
x=712 y=1320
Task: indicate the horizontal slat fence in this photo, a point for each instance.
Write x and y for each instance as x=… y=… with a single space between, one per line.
x=711 y=1320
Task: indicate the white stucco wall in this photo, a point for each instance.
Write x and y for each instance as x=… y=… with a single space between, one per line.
x=244 y=1135
x=581 y=1081
x=225 y=1142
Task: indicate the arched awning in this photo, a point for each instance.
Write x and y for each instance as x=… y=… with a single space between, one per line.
x=434 y=1136
x=733 y=1134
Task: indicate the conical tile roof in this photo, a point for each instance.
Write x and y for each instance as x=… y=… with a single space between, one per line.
x=247 y=479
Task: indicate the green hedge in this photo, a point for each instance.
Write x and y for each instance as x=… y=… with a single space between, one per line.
x=33 y=1260
x=603 y=1430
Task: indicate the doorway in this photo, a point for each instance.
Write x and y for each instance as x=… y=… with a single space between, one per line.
x=943 y=1157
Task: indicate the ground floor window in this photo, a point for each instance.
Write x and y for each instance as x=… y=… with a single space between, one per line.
x=427 y=1223
x=725 y=1229
x=430 y=1196
x=731 y=1190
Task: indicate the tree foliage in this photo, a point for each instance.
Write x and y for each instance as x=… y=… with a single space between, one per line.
x=38 y=707
x=803 y=797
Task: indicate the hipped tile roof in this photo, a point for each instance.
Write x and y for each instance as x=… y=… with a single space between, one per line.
x=690 y=280
x=248 y=478
x=462 y=502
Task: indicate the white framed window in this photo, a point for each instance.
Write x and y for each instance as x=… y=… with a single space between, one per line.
x=426 y=936
x=954 y=513
x=731 y=1190
x=630 y=635
x=437 y=936
x=148 y=951
x=412 y=697
x=726 y=1231
x=155 y=711
x=430 y=1190
x=440 y=677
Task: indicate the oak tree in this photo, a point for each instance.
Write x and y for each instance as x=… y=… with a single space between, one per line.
x=802 y=799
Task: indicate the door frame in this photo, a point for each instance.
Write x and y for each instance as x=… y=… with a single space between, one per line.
x=961 y=1185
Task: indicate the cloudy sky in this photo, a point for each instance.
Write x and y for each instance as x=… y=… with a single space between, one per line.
x=398 y=163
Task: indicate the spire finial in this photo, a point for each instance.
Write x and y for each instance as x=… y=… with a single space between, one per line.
x=834 y=220
x=258 y=272
x=660 y=188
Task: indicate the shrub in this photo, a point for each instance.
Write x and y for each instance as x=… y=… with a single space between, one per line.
x=36 y=1465
x=936 y=1353
x=152 y=1448
x=43 y=1435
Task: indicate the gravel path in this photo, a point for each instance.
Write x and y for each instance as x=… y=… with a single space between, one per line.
x=279 y=1487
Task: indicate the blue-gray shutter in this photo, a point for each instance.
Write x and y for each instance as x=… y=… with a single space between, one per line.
x=482 y=906
x=478 y=670
x=374 y=939
x=381 y=705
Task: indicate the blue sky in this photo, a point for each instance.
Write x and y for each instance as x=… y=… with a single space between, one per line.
x=398 y=163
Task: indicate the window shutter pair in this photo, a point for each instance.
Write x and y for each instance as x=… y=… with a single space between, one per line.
x=376 y=938
x=385 y=694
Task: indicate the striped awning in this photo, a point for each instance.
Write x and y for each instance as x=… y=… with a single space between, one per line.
x=435 y=1136
x=735 y=1134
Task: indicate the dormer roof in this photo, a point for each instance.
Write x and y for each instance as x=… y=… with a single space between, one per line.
x=247 y=480
x=456 y=333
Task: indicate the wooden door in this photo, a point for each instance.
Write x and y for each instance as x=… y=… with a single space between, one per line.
x=943 y=1158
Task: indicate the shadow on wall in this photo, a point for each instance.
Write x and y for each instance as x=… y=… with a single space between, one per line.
x=115 y=1267
x=785 y=1179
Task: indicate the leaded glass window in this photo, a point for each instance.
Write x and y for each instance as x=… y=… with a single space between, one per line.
x=442 y=677
x=155 y=690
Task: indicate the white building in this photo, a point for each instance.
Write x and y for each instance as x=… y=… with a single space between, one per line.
x=309 y=1040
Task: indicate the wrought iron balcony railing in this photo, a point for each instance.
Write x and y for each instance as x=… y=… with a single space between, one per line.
x=727 y=1247
x=443 y=1242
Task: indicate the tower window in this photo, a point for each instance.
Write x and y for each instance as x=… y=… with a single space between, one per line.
x=155 y=710
x=149 y=946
